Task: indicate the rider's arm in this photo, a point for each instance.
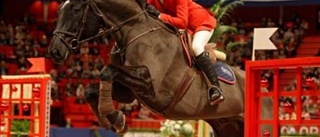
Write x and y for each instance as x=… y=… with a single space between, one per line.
x=180 y=19
x=151 y=2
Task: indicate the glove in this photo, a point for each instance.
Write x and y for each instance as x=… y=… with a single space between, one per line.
x=152 y=11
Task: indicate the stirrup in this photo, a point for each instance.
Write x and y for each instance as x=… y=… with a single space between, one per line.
x=218 y=100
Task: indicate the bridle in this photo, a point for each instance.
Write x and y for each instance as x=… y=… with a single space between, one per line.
x=75 y=42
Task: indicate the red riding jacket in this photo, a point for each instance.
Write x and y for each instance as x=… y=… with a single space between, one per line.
x=185 y=14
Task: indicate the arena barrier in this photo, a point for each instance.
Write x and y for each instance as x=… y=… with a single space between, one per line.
x=288 y=117
x=25 y=105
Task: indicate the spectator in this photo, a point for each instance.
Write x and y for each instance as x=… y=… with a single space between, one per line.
x=86 y=73
x=80 y=94
x=35 y=43
x=28 y=52
x=318 y=54
x=3 y=68
x=55 y=95
x=3 y=39
x=270 y=23
x=95 y=72
x=264 y=22
x=291 y=48
x=80 y=91
x=54 y=74
x=288 y=35
x=43 y=41
x=20 y=35
x=22 y=63
x=145 y=113
x=68 y=89
x=126 y=108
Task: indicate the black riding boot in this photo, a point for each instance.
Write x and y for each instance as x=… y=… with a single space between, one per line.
x=203 y=61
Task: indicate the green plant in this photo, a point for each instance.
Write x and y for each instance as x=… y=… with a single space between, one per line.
x=172 y=128
x=96 y=133
x=20 y=127
x=223 y=7
x=222 y=10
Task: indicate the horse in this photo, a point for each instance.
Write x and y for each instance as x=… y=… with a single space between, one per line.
x=148 y=63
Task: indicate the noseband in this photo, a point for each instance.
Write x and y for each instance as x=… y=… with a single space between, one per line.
x=75 y=41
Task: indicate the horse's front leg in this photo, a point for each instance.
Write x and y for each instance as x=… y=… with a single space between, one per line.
x=106 y=107
x=92 y=98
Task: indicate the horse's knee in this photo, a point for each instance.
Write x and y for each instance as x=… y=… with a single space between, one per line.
x=91 y=92
x=107 y=73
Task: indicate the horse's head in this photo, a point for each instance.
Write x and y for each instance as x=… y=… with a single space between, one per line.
x=78 y=21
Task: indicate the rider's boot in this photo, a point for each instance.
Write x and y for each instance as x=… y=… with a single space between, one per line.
x=203 y=61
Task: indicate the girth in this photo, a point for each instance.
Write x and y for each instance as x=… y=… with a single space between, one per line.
x=182 y=90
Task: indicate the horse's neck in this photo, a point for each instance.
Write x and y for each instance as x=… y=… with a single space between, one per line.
x=121 y=16
x=118 y=11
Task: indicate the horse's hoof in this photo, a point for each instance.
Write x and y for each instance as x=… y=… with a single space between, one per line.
x=118 y=120
x=113 y=129
x=104 y=122
x=120 y=125
x=124 y=130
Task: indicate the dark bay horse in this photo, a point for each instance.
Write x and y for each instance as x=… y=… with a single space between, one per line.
x=148 y=64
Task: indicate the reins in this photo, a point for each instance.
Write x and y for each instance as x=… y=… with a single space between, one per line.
x=75 y=41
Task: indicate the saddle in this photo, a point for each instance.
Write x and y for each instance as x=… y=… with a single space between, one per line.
x=224 y=72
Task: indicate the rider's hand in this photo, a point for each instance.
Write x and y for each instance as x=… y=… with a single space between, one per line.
x=152 y=11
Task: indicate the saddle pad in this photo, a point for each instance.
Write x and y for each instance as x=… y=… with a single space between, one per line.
x=225 y=73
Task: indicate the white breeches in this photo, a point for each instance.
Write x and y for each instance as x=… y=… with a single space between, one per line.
x=200 y=40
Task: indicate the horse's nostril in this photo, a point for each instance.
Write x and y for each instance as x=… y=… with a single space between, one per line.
x=55 y=53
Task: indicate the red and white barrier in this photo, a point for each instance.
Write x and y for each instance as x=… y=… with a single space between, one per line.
x=25 y=103
x=294 y=122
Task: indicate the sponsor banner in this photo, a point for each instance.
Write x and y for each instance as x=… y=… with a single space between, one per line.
x=299 y=130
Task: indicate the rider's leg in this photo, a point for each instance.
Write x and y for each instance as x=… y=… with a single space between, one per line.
x=203 y=61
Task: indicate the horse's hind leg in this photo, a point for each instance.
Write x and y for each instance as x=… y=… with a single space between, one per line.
x=227 y=127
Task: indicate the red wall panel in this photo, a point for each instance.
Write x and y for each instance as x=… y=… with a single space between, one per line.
x=14 y=10
x=36 y=10
x=52 y=10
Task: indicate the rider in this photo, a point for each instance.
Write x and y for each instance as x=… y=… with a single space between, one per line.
x=200 y=23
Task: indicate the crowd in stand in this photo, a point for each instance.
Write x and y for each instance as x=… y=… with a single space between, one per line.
x=30 y=39
x=287 y=39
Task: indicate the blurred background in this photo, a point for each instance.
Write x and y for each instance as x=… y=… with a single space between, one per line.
x=26 y=28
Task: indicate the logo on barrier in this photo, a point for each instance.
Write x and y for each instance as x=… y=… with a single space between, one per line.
x=299 y=130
